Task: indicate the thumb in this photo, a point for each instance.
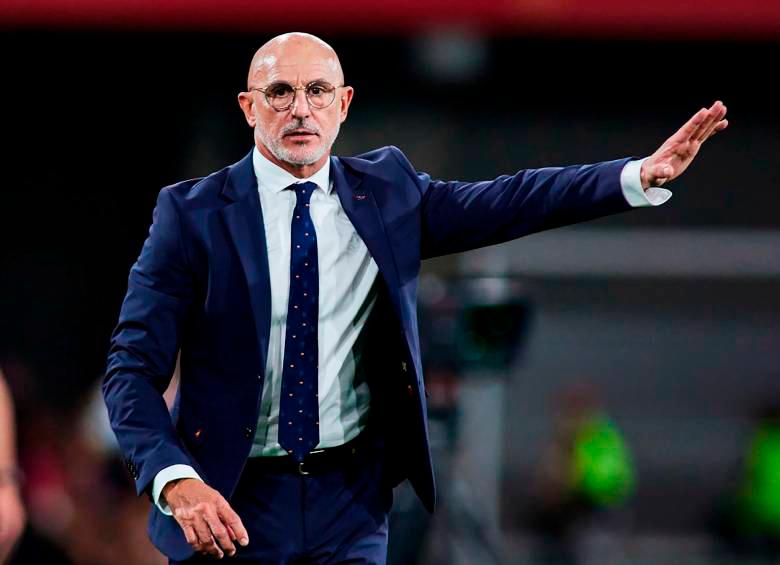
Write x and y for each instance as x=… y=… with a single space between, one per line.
x=662 y=171
x=658 y=174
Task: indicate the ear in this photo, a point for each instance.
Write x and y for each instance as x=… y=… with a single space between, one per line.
x=345 y=101
x=247 y=103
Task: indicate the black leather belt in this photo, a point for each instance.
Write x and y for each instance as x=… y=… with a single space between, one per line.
x=317 y=461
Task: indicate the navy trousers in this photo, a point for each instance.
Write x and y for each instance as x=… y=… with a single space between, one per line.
x=338 y=517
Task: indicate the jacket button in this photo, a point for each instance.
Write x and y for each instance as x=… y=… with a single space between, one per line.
x=410 y=390
x=247 y=432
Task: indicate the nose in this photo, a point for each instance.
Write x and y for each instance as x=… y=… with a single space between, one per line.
x=300 y=107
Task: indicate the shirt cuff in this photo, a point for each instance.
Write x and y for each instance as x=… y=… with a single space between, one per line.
x=635 y=195
x=164 y=477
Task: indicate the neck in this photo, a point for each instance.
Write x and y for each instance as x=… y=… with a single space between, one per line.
x=298 y=171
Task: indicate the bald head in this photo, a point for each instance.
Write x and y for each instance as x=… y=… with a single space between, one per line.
x=290 y=50
x=295 y=101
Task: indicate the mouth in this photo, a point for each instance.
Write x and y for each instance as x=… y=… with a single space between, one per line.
x=300 y=135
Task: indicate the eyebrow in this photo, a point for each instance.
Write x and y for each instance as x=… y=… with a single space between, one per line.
x=307 y=83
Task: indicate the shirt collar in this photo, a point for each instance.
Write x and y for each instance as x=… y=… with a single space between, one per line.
x=273 y=178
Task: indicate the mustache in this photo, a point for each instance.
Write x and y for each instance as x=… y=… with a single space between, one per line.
x=306 y=125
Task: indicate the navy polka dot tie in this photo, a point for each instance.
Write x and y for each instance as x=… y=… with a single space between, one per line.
x=299 y=414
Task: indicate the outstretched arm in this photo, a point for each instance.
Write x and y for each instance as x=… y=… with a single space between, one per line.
x=458 y=216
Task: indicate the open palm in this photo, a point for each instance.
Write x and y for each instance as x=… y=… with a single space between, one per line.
x=677 y=152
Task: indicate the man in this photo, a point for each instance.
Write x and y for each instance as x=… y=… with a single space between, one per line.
x=288 y=282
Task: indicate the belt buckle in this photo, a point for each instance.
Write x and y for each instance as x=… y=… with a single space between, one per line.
x=301 y=470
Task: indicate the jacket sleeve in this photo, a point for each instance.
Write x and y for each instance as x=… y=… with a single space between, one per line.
x=143 y=349
x=460 y=216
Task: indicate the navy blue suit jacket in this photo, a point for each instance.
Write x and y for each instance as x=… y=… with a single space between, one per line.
x=201 y=284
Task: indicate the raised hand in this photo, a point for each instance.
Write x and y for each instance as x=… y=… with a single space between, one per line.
x=209 y=523
x=677 y=152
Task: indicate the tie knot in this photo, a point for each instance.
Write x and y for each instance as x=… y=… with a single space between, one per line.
x=303 y=191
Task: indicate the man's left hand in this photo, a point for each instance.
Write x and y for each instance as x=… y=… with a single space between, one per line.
x=677 y=152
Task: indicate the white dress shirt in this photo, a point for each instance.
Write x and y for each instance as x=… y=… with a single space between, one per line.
x=346 y=297
x=347 y=275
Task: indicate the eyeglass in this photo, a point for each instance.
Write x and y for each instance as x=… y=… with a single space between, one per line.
x=281 y=96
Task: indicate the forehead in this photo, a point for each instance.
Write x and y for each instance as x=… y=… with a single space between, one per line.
x=297 y=66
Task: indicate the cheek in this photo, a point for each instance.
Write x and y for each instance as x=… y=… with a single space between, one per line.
x=330 y=122
x=267 y=124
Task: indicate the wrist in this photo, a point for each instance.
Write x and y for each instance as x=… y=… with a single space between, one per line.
x=170 y=485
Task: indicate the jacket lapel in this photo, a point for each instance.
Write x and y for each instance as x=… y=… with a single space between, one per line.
x=360 y=205
x=243 y=218
x=244 y=221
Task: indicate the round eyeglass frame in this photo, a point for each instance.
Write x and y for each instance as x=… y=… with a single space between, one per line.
x=294 y=97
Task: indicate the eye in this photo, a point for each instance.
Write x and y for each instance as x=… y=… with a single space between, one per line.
x=279 y=90
x=319 y=89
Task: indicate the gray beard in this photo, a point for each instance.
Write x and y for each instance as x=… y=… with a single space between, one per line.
x=298 y=158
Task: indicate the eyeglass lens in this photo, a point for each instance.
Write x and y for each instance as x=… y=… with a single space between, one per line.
x=281 y=95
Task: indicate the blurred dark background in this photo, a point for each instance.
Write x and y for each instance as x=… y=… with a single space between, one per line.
x=670 y=313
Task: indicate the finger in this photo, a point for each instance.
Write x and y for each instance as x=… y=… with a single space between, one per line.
x=691 y=126
x=702 y=126
x=206 y=543
x=712 y=116
x=211 y=548
x=660 y=175
x=718 y=112
x=711 y=121
x=190 y=535
x=717 y=127
x=719 y=104
x=220 y=532
x=723 y=124
x=662 y=171
x=233 y=521
x=708 y=133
